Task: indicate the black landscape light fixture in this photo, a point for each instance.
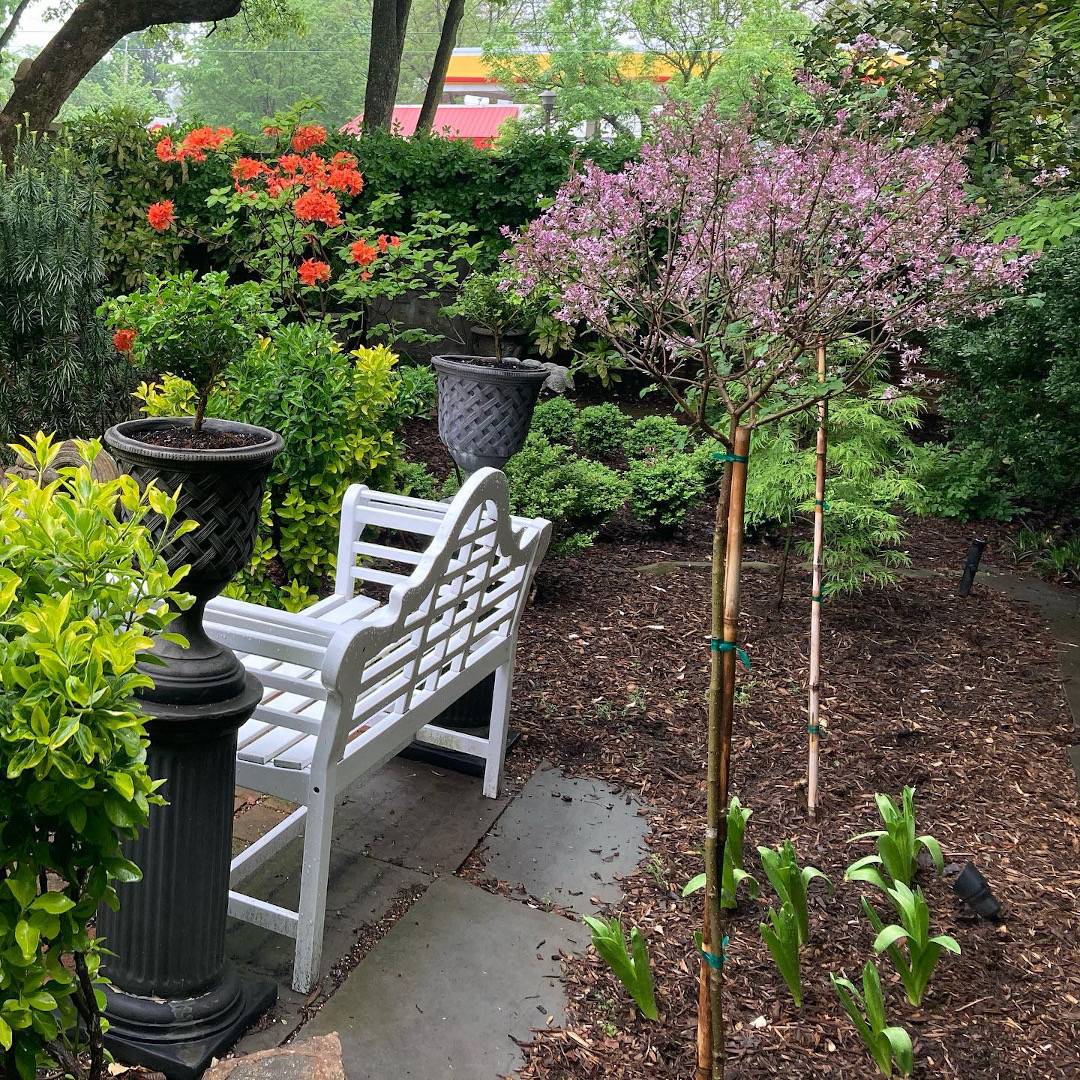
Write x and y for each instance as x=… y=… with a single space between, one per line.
x=547 y=100
x=971 y=567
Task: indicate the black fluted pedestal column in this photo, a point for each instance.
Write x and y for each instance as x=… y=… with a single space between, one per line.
x=176 y=1002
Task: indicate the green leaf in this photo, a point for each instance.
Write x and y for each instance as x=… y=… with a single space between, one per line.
x=5 y=1034
x=889 y=936
x=900 y=1045
x=54 y=903
x=27 y=937
x=696 y=883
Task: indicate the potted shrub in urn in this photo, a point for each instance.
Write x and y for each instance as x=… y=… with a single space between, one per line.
x=194 y=327
x=486 y=401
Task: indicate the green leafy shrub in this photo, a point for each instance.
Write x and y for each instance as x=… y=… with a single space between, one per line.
x=1014 y=389
x=631 y=966
x=417 y=393
x=789 y=881
x=961 y=482
x=917 y=967
x=663 y=489
x=655 y=435
x=578 y=495
x=482 y=302
x=600 y=430
x=412 y=478
x=556 y=420
x=328 y=405
x=781 y=935
x=897 y=845
x=867 y=1011
x=60 y=371
x=733 y=873
x=194 y=328
x=869 y=478
x=81 y=594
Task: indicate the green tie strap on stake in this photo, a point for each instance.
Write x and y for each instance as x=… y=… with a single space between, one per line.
x=813 y=729
x=822 y=503
x=729 y=646
x=732 y=457
x=818 y=598
x=714 y=961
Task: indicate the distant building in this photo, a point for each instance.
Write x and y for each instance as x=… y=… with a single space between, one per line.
x=479 y=123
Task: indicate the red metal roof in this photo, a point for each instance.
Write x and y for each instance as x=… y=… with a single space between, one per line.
x=477 y=122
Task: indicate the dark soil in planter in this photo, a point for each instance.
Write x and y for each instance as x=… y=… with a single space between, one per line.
x=961 y=698
x=186 y=438
x=506 y=364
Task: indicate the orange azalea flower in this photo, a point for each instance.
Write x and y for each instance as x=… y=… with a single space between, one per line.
x=363 y=253
x=347 y=179
x=311 y=270
x=160 y=215
x=395 y=241
x=317 y=206
x=164 y=149
x=305 y=138
x=382 y=242
x=123 y=340
x=364 y=275
x=245 y=168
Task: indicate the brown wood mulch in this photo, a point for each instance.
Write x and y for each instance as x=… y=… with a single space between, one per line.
x=960 y=698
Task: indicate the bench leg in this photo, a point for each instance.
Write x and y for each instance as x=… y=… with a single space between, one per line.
x=500 y=725
x=318 y=833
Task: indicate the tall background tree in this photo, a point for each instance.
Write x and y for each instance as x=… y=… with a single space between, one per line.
x=1004 y=70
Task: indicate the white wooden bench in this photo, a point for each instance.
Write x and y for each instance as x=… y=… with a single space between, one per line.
x=352 y=680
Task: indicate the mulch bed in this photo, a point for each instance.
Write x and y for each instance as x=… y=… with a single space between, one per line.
x=960 y=698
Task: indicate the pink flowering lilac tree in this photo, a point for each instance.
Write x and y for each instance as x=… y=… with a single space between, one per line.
x=722 y=262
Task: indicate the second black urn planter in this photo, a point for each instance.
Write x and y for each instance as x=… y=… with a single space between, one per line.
x=175 y=1002
x=485 y=407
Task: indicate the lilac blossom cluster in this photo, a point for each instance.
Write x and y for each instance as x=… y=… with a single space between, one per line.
x=848 y=227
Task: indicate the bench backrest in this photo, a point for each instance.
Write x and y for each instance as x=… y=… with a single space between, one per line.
x=461 y=600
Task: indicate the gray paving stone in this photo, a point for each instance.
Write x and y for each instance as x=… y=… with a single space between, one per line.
x=415 y=815
x=360 y=891
x=564 y=839
x=441 y=995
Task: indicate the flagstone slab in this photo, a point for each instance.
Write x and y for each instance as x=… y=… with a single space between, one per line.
x=565 y=840
x=444 y=994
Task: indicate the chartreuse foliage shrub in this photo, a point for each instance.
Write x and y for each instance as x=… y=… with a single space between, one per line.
x=600 y=430
x=58 y=368
x=897 y=845
x=81 y=593
x=887 y=1044
x=1014 y=391
x=556 y=420
x=871 y=474
x=922 y=951
x=578 y=495
x=663 y=489
x=733 y=873
x=631 y=966
x=330 y=408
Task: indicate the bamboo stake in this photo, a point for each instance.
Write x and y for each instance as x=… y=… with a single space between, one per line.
x=813 y=720
x=726 y=572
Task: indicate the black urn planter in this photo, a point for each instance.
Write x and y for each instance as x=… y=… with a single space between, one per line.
x=175 y=1002
x=486 y=407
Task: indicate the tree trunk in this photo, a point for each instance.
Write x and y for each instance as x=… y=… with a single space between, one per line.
x=726 y=571
x=92 y=29
x=437 y=80
x=389 y=19
x=785 y=563
x=813 y=719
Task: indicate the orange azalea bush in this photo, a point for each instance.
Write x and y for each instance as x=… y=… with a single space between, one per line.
x=291 y=217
